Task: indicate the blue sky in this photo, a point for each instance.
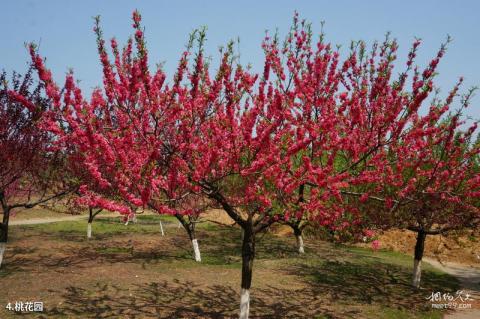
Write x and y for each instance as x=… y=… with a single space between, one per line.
x=64 y=30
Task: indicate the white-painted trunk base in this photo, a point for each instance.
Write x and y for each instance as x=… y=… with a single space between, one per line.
x=161 y=229
x=196 y=250
x=89 y=230
x=3 y=246
x=179 y=224
x=417 y=273
x=244 y=304
x=301 y=248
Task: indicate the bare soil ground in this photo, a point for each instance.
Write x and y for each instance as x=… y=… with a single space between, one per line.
x=457 y=247
x=133 y=272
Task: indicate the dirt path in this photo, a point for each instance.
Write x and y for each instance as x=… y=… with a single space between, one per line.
x=47 y=220
x=34 y=221
x=469 y=278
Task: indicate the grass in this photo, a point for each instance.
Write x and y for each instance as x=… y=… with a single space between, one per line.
x=102 y=226
x=133 y=272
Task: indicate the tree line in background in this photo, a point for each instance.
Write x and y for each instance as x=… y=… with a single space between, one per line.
x=348 y=143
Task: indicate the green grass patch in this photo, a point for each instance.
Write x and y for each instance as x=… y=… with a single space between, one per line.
x=101 y=226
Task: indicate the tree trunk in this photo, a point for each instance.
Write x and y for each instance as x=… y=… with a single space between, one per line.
x=3 y=246
x=190 y=228
x=89 y=225
x=298 y=235
x=161 y=229
x=417 y=263
x=296 y=225
x=4 y=233
x=248 y=255
x=196 y=250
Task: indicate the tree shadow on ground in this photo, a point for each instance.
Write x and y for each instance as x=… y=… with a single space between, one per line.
x=334 y=282
x=219 y=246
x=19 y=254
x=268 y=247
x=372 y=282
x=63 y=258
x=185 y=299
